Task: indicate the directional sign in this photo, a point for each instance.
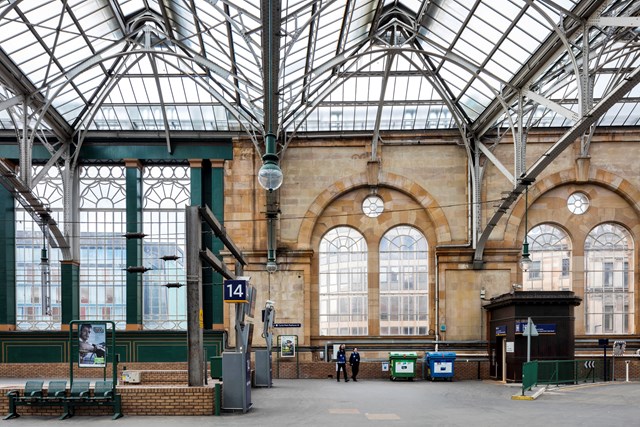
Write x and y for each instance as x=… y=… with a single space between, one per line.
x=619 y=347
x=533 y=332
x=590 y=364
x=287 y=325
x=235 y=291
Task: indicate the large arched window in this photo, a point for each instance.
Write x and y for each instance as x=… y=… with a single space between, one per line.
x=608 y=295
x=38 y=299
x=102 y=248
x=404 y=282
x=343 y=283
x=166 y=193
x=550 y=268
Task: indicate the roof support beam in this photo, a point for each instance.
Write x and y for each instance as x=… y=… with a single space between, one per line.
x=551 y=154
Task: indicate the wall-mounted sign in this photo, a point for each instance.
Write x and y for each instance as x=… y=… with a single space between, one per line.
x=501 y=331
x=235 y=291
x=619 y=347
x=287 y=325
x=511 y=347
x=542 y=328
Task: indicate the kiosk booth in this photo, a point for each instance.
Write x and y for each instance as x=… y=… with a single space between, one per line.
x=552 y=313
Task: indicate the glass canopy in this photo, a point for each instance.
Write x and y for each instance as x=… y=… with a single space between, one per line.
x=76 y=66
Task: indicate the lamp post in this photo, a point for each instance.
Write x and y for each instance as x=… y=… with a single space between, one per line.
x=525 y=260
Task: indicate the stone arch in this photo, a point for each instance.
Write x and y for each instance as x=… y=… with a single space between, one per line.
x=392 y=181
x=597 y=176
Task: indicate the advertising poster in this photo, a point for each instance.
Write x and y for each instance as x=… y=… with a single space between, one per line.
x=92 y=349
x=288 y=345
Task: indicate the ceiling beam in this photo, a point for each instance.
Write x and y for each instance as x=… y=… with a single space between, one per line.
x=551 y=154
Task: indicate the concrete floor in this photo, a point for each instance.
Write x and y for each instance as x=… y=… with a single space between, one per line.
x=309 y=403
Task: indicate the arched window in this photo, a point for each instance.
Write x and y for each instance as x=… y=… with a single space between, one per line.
x=103 y=217
x=31 y=286
x=404 y=282
x=166 y=193
x=343 y=283
x=608 y=295
x=550 y=268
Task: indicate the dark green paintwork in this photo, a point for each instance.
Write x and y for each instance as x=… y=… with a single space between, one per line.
x=208 y=188
x=132 y=148
x=134 y=246
x=7 y=259
x=217 y=207
x=70 y=296
x=133 y=346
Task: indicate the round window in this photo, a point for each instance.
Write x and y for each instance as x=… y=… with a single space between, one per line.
x=578 y=203
x=372 y=206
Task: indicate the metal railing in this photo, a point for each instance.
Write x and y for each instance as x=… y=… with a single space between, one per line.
x=556 y=372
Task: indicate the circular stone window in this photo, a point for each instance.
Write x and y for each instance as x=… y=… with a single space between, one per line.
x=372 y=206
x=578 y=203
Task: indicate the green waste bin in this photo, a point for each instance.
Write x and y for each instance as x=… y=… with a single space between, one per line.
x=216 y=367
x=403 y=365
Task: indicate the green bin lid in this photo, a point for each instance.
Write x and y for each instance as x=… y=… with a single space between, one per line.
x=403 y=354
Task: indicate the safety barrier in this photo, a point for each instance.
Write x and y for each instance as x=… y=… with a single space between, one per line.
x=556 y=372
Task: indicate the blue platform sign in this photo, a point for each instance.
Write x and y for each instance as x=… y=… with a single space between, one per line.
x=542 y=328
x=235 y=291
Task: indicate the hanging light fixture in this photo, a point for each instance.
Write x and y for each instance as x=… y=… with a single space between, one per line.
x=525 y=260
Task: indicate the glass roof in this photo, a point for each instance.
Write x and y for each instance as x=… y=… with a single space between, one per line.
x=356 y=65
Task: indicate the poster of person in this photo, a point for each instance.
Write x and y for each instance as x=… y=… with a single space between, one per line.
x=288 y=345
x=92 y=350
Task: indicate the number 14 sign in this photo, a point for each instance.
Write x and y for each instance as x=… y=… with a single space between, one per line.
x=235 y=291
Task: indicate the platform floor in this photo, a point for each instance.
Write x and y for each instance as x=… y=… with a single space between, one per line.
x=327 y=403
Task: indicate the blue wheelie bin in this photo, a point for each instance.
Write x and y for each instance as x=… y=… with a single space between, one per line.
x=439 y=364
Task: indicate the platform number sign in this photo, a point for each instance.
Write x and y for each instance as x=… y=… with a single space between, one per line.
x=235 y=291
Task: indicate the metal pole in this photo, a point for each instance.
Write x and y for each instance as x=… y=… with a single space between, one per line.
x=529 y=339
x=194 y=297
x=627 y=370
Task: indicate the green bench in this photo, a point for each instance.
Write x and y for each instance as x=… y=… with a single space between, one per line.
x=79 y=395
x=33 y=395
x=103 y=395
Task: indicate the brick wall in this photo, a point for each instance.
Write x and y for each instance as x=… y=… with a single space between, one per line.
x=61 y=370
x=137 y=400
x=463 y=370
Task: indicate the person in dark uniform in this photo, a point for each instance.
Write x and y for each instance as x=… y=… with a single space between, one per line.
x=354 y=361
x=342 y=363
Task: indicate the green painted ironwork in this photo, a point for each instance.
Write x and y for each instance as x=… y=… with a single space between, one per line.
x=131 y=346
x=70 y=291
x=217 y=207
x=7 y=259
x=134 y=245
x=529 y=375
x=556 y=372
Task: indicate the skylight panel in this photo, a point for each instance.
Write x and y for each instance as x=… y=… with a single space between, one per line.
x=489 y=22
x=530 y=30
x=499 y=68
x=129 y=7
x=470 y=51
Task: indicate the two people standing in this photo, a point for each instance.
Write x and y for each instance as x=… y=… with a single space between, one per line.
x=354 y=362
